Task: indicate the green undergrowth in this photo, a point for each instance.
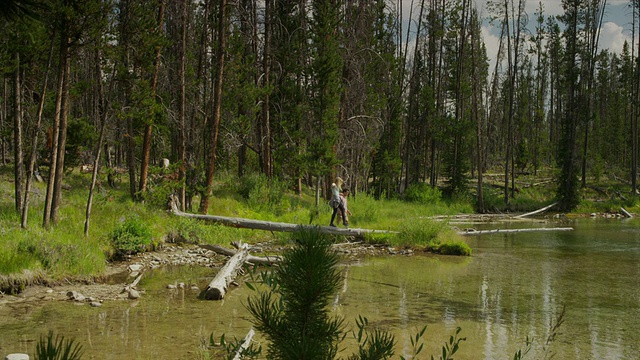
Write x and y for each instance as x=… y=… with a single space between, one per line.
x=120 y=226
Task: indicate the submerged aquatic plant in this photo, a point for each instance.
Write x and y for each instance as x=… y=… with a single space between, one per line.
x=57 y=349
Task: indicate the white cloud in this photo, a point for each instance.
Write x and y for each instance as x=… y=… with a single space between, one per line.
x=491 y=42
x=612 y=37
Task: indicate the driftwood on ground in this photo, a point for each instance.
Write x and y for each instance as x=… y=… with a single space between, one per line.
x=626 y=213
x=537 y=211
x=217 y=288
x=272 y=225
x=245 y=344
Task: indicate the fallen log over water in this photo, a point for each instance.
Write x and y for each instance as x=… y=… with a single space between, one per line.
x=269 y=260
x=217 y=288
x=273 y=225
x=506 y=231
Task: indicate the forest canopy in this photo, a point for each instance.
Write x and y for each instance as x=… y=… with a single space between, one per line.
x=307 y=90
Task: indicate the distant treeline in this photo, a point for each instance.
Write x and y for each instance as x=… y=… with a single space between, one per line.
x=306 y=90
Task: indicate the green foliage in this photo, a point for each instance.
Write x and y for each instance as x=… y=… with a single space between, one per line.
x=460 y=248
x=451 y=347
x=58 y=348
x=192 y=231
x=293 y=312
x=262 y=193
x=369 y=210
x=14 y=259
x=374 y=345
x=418 y=233
x=422 y=193
x=81 y=139
x=161 y=184
x=432 y=236
x=130 y=237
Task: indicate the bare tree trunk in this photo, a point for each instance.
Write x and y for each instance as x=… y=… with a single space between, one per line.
x=101 y=114
x=18 y=170
x=478 y=115
x=3 y=118
x=34 y=146
x=183 y=103
x=217 y=97
x=266 y=126
x=146 y=143
x=636 y=112
x=46 y=222
x=62 y=136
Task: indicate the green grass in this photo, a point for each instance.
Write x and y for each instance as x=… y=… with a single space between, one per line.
x=64 y=251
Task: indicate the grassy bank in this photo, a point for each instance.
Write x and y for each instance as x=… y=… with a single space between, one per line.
x=120 y=225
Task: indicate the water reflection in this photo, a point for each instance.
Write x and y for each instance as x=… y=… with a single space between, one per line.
x=513 y=287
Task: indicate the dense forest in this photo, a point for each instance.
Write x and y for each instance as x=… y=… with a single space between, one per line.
x=306 y=90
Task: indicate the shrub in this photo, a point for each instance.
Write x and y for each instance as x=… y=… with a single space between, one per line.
x=191 y=231
x=422 y=193
x=130 y=237
x=420 y=232
x=261 y=192
x=451 y=248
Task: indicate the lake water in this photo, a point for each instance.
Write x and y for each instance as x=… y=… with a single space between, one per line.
x=512 y=288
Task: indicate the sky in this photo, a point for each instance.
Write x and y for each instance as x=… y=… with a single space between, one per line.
x=615 y=29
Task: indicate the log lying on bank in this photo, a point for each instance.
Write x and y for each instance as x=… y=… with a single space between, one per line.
x=626 y=213
x=272 y=225
x=537 y=211
x=217 y=288
x=507 y=231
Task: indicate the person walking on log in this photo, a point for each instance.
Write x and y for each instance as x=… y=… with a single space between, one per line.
x=336 y=203
x=346 y=213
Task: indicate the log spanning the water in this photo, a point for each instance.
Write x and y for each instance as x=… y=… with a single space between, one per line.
x=217 y=288
x=268 y=260
x=272 y=225
x=507 y=231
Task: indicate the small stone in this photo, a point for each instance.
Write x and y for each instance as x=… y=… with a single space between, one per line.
x=171 y=286
x=181 y=285
x=135 y=267
x=74 y=295
x=17 y=357
x=95 y=303
x=133 y=294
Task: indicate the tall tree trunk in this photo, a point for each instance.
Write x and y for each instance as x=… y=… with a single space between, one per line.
x=3 y=119
x=36 y=133
x=101 y=113
x=411 y=116
x=146 y=143
x=217 y=97
x=636 y=104
x=478 y=117
x=46 y=219
x=62 y=135
x=18 y=171
x=182 y=157
x=265 y=148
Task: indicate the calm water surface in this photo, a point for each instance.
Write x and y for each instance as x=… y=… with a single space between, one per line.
x=513 y=287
